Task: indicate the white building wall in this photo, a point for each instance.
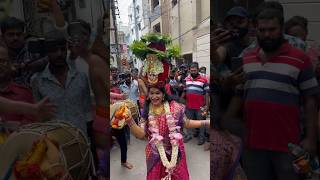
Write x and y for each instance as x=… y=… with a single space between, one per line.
x=202 y=53
x=145 y=15
x=90 y=13
x=16 y=9
x=139 y=18
x=132 y=29
x=309 y=9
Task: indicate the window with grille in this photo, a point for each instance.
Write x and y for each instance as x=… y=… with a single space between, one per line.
x=157 y=28
x=174 y=2
x=155 y=3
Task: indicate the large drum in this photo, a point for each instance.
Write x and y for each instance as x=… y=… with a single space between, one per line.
x=72 y=144
x=133 y=108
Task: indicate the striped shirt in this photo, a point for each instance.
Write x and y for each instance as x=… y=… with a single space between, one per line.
x=272 y=94
x=195 y=91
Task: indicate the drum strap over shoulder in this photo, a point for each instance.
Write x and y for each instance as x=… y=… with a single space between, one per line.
x=101 y=111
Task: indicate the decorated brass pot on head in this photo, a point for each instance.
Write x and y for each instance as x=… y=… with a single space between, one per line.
x=156 y=51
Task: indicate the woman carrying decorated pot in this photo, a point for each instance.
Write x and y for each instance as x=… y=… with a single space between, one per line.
x=163 y=119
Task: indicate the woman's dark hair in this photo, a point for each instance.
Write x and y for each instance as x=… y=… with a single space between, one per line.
x=296 y=21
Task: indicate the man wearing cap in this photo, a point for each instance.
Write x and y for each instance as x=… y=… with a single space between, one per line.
x=236 y=27
x=183 y=73
x=65 y=86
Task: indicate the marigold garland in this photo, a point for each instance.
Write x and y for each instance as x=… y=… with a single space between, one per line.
x=29 y=166
x=120 y=116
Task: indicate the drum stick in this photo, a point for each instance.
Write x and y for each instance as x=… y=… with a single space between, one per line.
x=10 y=170
x=138 y=103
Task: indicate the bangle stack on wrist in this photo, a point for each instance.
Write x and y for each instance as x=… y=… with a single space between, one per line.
x=205 y=123
x=130 y=122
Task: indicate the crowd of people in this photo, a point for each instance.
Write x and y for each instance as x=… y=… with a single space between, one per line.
x=266 y=74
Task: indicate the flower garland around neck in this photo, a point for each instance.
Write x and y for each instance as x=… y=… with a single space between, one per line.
x=174 y=136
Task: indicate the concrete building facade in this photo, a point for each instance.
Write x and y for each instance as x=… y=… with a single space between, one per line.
x=87 y=10
x=187 y=22
x=113 y=51
x=190 y=28
x=138 y=25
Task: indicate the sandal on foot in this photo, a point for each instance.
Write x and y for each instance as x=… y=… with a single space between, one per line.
x=127 y=165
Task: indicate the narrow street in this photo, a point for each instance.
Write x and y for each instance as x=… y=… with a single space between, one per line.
x=197 y=159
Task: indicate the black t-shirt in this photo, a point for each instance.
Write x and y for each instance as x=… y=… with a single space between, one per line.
x=183 y=82
x=233 y=50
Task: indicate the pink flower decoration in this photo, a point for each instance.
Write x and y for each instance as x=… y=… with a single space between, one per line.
x=174 y=128
x=157 y=138
x=154 y=130
x=174 y=142
x=177 y=136
x=174 y=134
x=170 y=121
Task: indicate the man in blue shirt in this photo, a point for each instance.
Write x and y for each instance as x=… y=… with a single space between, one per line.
x=130 y=87
x=65 y=86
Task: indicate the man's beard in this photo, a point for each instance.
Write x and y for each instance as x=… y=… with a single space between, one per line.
x=270 y=45
x=194 y=75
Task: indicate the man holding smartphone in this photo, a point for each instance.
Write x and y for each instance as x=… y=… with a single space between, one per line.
x=235 y=30
x=229 y=41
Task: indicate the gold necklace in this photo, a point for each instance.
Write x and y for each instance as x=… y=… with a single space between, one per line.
x=157 y=110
